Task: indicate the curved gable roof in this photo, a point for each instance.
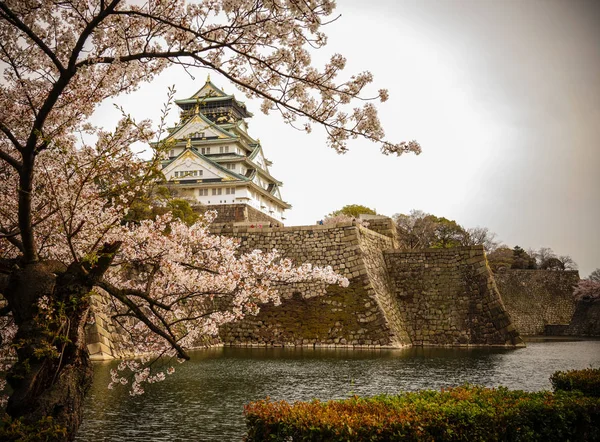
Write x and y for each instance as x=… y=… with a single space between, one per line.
x=199 y=119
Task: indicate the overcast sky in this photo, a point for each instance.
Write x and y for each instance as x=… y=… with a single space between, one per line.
x=504 y=97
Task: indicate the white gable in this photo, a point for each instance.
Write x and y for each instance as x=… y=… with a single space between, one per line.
x=190 y=162
x=198 y=126
x=259 y=159
x=208 y=90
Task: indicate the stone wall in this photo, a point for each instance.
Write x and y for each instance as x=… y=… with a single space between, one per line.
x=449 y=297
x=362 y=314
x=395 y=298
x=426 y=297
x=103 y=338
x=383 y=225
x=585 y=321
x=235 y=213
x=536 y=298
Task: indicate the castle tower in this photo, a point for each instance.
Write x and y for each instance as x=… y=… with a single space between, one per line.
x=212 y=160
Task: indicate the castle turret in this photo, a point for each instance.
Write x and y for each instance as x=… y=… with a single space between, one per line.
x=213 y=161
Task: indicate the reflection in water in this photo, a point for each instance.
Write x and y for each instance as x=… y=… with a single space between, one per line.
x=204 y=399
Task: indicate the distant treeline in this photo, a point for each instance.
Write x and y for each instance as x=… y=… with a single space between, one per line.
x=419 y=229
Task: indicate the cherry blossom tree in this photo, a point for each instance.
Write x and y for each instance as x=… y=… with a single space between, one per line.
x=63 y=201
x=587 y=290
x=475 y=236
x=421 y=230
x=332 y=220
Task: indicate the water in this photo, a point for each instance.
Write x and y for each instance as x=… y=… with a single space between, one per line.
x=203 y=400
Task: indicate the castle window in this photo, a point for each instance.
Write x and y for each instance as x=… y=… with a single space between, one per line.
x=172 y=153
x=231 y=166
x=176 y=174
x=203 y=192
x=205 y=150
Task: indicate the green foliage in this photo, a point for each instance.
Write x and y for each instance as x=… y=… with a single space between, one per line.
x=464 y=413
x=182 y=210
x=586 y=381
x=447 y=233
x=521 y=260
x=159 y=202
x=553 y=263
x=423 y=230
x=44 y=430
x=501 y=258
x=352 y=210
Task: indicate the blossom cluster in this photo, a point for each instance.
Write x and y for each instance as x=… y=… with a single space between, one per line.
x=170 y=284
x=64 y=199
x=587 y=290
x=344 y=219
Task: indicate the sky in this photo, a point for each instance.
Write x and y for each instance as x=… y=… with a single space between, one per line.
x=504 y=97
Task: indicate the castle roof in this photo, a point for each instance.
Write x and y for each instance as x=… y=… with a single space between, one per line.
x=210 y=98
x=199 y=122
x=211 y=145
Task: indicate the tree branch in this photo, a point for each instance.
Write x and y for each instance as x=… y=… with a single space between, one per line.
x=9 y=159
x=13 y=140
x=139 y=314
x=10 y=16
x=112 y=289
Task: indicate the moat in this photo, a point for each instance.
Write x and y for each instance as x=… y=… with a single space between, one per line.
x=204 y=400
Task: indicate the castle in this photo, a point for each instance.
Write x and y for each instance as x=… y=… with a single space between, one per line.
x=213 y=161
x=396 y=298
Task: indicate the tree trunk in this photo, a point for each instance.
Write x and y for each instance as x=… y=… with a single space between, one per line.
x=53 y=371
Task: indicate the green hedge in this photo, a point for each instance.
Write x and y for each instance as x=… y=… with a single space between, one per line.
x=464 y=413
x=587 y=381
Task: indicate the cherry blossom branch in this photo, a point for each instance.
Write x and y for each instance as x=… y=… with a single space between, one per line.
x=125 y=293
x=9 y=15
x=139 y=314
x=9 y=159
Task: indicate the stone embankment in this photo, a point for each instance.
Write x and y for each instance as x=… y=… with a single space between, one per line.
x=363 y=314
x=428 y=297
x=586 y=319
x=449 y=297
x=395 y=298
x=538 y=298
x=103 y=337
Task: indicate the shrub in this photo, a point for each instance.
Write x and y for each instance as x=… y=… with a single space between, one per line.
x=45 y=430
x=586 y=381
x=458 y=414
